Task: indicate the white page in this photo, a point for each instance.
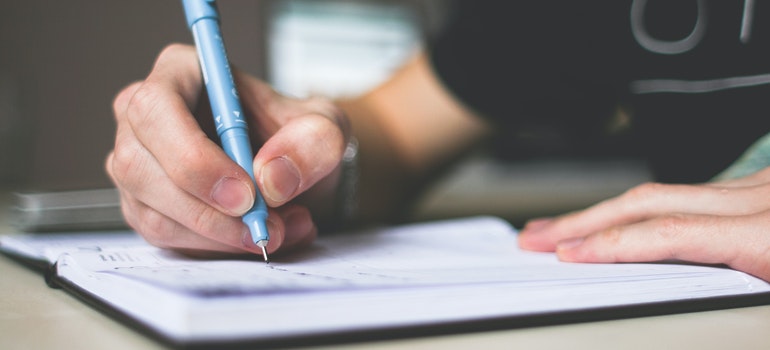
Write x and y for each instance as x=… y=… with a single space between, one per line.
x=49 y=246
x=429 y=273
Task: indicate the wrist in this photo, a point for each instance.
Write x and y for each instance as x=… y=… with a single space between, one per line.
x=345 y=202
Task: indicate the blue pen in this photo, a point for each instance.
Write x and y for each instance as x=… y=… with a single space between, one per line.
x=203 y=20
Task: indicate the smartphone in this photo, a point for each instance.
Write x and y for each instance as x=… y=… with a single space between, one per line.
x=76 y=210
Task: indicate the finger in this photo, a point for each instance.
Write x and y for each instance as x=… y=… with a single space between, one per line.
x=163 y=232
x=303 y=152
x=306 y=141
x=289 y=226
x=137 y=215
x=298 y=228
x=159 y=116
x=164 y=213
x=273 y=109
x=640 y=203
x=733 y=241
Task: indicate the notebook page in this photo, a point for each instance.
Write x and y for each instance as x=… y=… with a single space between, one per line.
x=380 y=277
x=49 y=246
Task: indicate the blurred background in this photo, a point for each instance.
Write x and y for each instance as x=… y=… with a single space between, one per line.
x=62 y=62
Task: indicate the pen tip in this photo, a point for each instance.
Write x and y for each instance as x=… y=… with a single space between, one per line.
x=264 y=255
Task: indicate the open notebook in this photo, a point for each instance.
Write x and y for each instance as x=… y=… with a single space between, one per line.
x=429 y=278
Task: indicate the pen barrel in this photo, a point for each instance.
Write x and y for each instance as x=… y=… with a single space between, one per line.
x=229 y=120
x=195 y=10
x=235 y=142
x=231 y=125
x=217 y=76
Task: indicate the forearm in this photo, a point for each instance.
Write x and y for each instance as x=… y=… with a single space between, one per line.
x=407 y=129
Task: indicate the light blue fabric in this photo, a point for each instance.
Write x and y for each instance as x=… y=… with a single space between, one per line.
x=756 y=158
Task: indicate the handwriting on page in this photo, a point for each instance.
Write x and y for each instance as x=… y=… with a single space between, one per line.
x=371 y=260
x=398 y=259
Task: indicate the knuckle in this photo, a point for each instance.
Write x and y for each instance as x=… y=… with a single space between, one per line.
x=331 y=111
x=109 y=163
x=157 y=229
x=320 y=103
x=121 y=101
x=670 y=227
x=173 y=50
x=143 y=101
x=670 y=231
x=644 y=191
x=140 y=97
x=612 y=236
x=204 y=219
x=642 y=197
x=322 y=127
x=125 y=159
x=150 y=224
x=177 y=55
x=324 y=135
x=190 y=165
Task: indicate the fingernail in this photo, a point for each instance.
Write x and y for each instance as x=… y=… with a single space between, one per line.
x=571 y=243
x=535 y=225
x=233 y=195
x=276 y=239
x=280 y=179
x=247 y=241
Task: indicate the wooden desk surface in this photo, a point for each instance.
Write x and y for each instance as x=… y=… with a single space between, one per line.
x=33 y=316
